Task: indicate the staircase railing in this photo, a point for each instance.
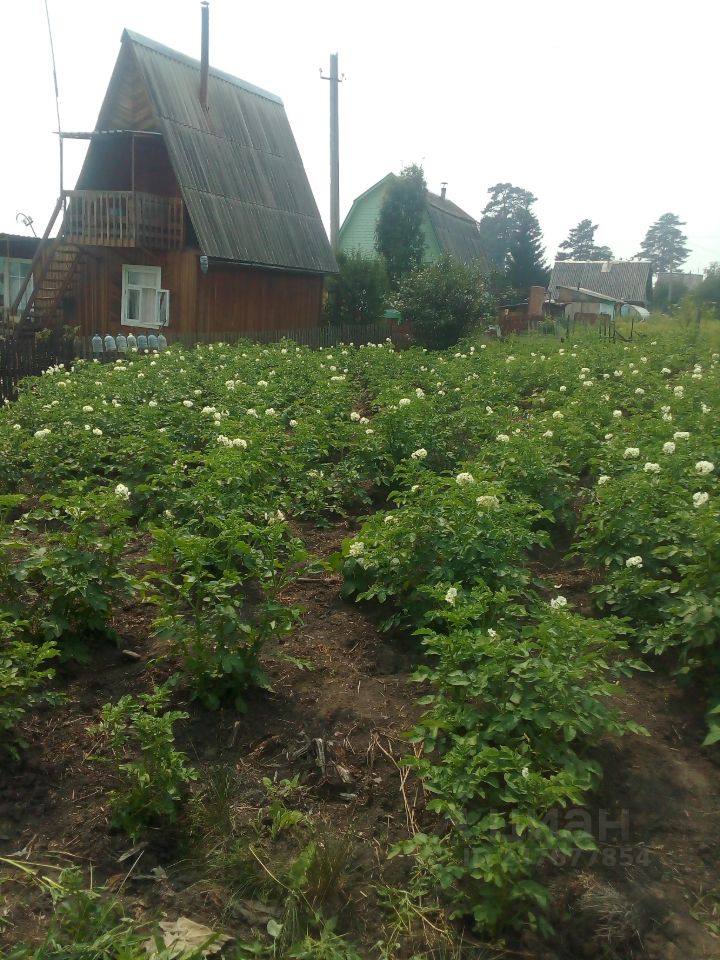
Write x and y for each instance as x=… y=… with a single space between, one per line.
x=37 y=259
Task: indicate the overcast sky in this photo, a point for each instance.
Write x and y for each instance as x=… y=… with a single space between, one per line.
x=605 y=110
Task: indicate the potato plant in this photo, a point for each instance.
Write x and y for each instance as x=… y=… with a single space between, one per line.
x=201 y=471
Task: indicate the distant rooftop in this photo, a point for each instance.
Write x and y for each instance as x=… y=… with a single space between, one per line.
x=628 y=280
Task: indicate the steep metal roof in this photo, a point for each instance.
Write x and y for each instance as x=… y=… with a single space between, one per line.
x=628 y=280
x=238 y=166
x=456 y=231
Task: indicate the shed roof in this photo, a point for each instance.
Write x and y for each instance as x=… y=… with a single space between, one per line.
x=584 y=294
x=237 y=164
x=628 y=280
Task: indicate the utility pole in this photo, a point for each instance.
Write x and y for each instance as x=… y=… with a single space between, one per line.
x=334 y=79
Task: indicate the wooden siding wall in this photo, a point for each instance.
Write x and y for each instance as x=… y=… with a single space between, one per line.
x=228 y=298
x=237 y=298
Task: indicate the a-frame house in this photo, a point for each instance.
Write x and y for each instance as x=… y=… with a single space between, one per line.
x=192 y=212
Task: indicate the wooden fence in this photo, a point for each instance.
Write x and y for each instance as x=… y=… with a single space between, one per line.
x=28 y=358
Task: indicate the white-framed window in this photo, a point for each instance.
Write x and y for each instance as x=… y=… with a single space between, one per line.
x=144 y=302
x=12 y=275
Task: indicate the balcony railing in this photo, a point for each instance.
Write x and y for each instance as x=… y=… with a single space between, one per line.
x=122 y=218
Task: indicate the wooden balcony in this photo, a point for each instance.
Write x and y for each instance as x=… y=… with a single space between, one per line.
x=122 y=218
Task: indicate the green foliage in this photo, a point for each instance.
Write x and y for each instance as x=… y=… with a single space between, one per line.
x=203 y=602
x=87 y=923
x=526 y=265
x=512 y=711
x=664 y=244
x=357 y=294
x=709 y=290
x=70 y=582
x=662 y=298
x=24 y=672
x=439 y=535
x=399 y=236
x=503 y=216
x=139 y=743
x=580 y=244
x=443 y=300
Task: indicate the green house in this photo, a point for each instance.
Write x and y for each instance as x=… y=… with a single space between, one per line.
x=447 y=228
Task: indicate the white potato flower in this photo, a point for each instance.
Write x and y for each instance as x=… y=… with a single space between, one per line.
x=668 y=447
x=652 y=468
x=700 y=499
x=631 y=453
x=487 y=500
x=419 y=454
x=122 y=491
x=634 y=562
x=451 y=596
x=704 y=467
x=462 y=479
x=357 y=549
x=602 y=480
x=558 y=602
x=502 y=438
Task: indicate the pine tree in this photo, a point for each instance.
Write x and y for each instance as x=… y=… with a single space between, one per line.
x=501 y=220
x=399 y=235
x=580 y=244
x=664 y=244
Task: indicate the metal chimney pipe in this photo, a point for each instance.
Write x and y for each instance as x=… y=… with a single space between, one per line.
x=204 y=53
x=443 y=190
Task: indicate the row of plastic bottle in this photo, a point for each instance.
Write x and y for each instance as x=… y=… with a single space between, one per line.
x=128 y=344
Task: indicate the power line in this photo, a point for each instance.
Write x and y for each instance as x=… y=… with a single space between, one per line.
x=57 y=94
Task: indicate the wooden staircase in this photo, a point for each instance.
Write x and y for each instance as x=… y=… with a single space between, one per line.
x=43 y=308
x=54 y=271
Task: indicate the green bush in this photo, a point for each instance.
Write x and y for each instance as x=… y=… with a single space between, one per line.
x=358 y=292
x=442 y=300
